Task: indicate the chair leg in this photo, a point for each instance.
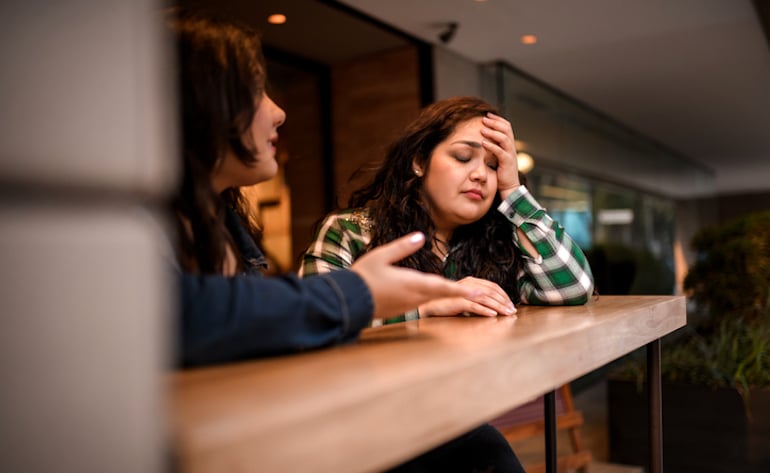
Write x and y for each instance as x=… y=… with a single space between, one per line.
x=574 y=432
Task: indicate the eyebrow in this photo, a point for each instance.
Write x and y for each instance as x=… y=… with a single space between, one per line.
x=472 y=144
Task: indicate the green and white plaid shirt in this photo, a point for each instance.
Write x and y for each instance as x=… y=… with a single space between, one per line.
x=557 y=275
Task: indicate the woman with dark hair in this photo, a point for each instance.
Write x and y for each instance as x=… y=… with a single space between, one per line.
x=228 y=310
x=453 y=175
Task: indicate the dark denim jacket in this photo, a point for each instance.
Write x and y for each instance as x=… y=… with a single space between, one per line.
x=248 y=315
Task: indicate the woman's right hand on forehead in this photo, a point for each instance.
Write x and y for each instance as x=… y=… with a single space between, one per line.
x=396 y=290
x=499 y=140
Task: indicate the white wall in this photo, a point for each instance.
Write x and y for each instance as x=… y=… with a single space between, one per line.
x=85 y=157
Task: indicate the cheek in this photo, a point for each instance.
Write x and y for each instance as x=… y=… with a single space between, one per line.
x=434 y=189
x=256 y=135
x=259 y=131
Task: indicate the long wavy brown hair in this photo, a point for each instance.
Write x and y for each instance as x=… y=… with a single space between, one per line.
x=394 y=198
x=220 y=79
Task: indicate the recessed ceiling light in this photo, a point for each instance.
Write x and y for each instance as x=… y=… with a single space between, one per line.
x=276 y=19
x=528 y=39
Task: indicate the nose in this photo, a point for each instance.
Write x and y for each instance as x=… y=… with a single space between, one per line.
x=479 y=171
x=279 y=115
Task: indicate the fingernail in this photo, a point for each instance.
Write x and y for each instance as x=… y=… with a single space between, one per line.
x=417 y=237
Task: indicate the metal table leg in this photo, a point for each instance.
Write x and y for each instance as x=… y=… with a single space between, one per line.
x=549 y=406
x=655 y=406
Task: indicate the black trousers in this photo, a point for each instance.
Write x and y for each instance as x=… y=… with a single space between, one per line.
x=482 y=450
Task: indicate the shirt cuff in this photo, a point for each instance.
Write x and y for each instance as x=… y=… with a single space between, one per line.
x=519 y=206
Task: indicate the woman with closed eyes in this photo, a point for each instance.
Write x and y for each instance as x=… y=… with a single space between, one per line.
x=453 y=175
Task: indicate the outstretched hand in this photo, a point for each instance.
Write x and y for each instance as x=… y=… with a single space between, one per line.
x=396 y=290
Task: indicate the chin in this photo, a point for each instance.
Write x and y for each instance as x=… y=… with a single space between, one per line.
x=468 y=219
x=269 y=172
x=471 y=215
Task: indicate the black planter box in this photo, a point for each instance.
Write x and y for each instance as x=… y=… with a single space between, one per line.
x=704 y=430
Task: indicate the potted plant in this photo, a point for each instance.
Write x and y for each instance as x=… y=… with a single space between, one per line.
x=716 y=371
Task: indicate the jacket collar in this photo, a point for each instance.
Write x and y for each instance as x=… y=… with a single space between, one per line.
x=253 y=258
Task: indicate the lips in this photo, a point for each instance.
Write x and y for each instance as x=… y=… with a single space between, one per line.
x=474 y=194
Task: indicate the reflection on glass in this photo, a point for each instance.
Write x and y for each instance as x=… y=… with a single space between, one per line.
x=627 y=234
x=568 y=200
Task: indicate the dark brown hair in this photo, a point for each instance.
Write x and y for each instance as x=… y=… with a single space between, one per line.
x=221 y=79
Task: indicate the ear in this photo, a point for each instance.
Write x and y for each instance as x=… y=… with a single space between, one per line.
x=417 y=169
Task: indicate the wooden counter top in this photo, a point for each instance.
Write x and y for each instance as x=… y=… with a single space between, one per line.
x=401 y=390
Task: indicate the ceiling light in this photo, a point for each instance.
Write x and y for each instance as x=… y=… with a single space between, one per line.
x=528 y=39
x=525 y=162
x=276 y=19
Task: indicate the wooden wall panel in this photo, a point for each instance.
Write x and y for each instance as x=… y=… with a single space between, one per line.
x=372 y=99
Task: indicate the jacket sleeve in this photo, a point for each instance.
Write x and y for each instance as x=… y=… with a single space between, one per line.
x=559 y=273
x=245 y=316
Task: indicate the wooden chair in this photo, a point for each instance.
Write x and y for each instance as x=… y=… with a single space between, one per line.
x=527 y=421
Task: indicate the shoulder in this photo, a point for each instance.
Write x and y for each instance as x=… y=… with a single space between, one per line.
x=340 y=239
x=352 y=221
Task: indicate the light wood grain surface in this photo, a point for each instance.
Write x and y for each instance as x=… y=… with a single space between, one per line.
x=401 y=390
